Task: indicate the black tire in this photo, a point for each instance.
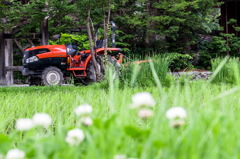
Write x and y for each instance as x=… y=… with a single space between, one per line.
x=112 y=63
x=52 y=76
x=34 y=81
x=91 y=76
x=78 y=82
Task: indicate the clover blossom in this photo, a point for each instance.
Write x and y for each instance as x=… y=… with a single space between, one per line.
x=75 y=137
x=145 y=113
x=83 y=109
x=87 y=121
x=120 y=157
x=177 y=116
x=15 y=154
x=24 y=124
x=143 y=99
x=42 y=119
x=176 y=112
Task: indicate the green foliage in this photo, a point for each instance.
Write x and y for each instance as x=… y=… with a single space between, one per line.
x=66 y=38
x=204 y=60
x=121 y=41
x=166 y=26
x=232 y=21
x=237 y=29
x=179 y=61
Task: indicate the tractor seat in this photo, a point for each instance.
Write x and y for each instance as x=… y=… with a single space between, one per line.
x=71 y=50
x=100 y=43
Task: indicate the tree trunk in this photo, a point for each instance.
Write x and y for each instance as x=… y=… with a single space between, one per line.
x=109 y=10
x=94 y=36
x=91 y=44
x=105 y=34
x=106 y=24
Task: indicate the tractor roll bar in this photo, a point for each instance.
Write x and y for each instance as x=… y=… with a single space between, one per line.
x=112 y=35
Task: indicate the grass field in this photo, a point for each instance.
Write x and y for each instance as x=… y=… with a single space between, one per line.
x=211 y=128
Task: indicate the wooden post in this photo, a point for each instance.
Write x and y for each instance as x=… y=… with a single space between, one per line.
x=2 y=60
x=45 y=34
x=9 y=60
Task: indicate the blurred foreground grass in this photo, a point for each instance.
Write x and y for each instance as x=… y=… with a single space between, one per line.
x=211 y=129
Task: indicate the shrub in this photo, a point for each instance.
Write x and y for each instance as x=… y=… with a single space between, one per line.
x=66 y=38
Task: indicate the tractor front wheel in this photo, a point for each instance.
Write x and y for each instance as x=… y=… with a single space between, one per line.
x=52 y=76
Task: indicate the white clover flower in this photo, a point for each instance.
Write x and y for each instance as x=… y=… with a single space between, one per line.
x=83 y=109
x=15 y=154
x=87 y=121
x=145 y=113
x=120 y=157
x=24 y=124
x=177 y=123
x=42 y=119
x=176 y=112
x=74 y=137
x=142 y=99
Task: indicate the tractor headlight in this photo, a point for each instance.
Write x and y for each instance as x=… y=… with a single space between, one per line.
x=32 y=59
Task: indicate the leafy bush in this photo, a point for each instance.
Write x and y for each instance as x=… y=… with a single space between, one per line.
x=66 y=38
x=179 y=61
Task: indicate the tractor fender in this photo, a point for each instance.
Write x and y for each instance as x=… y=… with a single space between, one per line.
x=89 y=58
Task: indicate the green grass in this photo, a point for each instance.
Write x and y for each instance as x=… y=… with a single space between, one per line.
x=211 y=129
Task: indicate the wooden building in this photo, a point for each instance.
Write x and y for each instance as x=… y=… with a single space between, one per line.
x=230 y=10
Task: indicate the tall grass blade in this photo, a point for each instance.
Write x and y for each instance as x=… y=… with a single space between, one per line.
x=134 y=74
x=218 y=69
x=159 y=85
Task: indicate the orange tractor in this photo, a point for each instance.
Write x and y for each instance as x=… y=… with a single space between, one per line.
x=50 y=64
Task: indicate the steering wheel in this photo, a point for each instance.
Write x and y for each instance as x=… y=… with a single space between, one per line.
x=78 y=43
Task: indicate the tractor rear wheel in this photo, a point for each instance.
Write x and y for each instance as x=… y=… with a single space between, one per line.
x=91 y=75
x=52 y=76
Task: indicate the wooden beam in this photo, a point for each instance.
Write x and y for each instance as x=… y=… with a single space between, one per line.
x=29 y=36
x=30 y=42
x=26 y=46
x=2 y=59
x=19 y=45
x=14 y=68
